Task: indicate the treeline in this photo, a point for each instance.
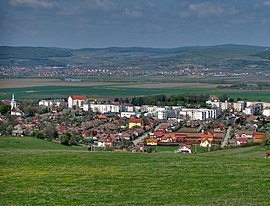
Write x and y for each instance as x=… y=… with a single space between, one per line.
x=172 y=100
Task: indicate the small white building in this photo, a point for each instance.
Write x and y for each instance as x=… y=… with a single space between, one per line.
x=129 y=114
x=239 y=106
x=214 y=103
x=52 y=103
x=266 y=111
x=252 y=109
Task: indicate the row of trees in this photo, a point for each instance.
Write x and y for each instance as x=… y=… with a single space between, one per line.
x=172 y=100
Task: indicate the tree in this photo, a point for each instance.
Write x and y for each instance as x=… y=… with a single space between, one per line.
x=266 y=139
x=65 y=139
x=50 y=133
x=40 y=135
x=4 y=108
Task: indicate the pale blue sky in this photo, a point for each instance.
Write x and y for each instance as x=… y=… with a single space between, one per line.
x=147 y=23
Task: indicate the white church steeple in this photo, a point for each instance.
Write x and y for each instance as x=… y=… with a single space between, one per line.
x=13 y=103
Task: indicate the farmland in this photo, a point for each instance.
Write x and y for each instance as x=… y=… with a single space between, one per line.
x=44 y=173
x=34 y=89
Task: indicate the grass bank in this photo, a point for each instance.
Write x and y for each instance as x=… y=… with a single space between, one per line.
x=56 y=176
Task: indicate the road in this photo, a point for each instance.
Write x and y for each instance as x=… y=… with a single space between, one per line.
x=140 y=139
x=145 y=135
x=227 y=137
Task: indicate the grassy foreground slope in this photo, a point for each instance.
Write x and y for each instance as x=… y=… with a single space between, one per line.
x=31 y=176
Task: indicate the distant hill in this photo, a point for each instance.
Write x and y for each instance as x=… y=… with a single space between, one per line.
x=226 y=56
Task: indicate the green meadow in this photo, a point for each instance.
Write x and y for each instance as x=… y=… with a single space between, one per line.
x=37 y=172
x=40 y=92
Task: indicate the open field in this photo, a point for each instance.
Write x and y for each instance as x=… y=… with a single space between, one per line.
x=31 y=176
x=21 y=83
x=34 y=89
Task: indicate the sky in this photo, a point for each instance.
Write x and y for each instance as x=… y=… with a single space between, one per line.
x=126 y=23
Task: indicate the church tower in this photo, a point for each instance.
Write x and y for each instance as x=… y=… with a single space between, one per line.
x=13 y=103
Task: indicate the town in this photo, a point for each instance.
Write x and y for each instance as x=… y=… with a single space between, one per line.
x=119 y=125
x=88 y=71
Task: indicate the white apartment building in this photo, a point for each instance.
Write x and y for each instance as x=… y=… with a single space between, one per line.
x=105 y=108
x=199 y=114
x=77 y=101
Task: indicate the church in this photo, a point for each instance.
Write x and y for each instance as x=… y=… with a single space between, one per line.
x=15 y=111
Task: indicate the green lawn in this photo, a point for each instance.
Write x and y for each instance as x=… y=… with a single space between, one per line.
x=42 y=174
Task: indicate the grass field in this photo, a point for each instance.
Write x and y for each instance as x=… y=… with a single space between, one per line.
x=45 y=173
x=33 y=89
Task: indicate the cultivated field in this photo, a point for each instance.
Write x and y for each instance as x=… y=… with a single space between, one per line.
x=35 y=172
x=34 y=89
x=32 y=82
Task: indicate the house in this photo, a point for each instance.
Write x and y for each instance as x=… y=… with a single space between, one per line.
x=246 y=133
x=151 y=142
x=185 y=150
x=77 y=101
x=133 y=121
x=85 y=134
x=106 y=142
x=169 y=137
x=180 y=137
x=102 y=117
x=18 y=130
x=205 y=143
x=160 y=133
x=241 y=140
x=258 y=137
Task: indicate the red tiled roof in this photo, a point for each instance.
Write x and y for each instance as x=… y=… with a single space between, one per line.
x=79 y=97
x=259 y=135
x=108 y=140
x=151 y=140
x=135 y=120
x=62 y=128
x=8 y=102
x=101 y=117
x=241 y=139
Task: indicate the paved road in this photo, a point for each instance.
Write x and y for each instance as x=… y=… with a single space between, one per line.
x=145 y=135
x=227 y=137
x=140 y=139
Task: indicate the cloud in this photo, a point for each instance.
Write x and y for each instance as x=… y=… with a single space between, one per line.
x=41 y=4
x=156 y=28
x=103 y=4
x=132 y=13
x=87 y=8
x=266 y=3
x=207 y=9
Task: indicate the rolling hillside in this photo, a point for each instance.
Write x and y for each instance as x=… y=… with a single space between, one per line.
x=228 y=56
